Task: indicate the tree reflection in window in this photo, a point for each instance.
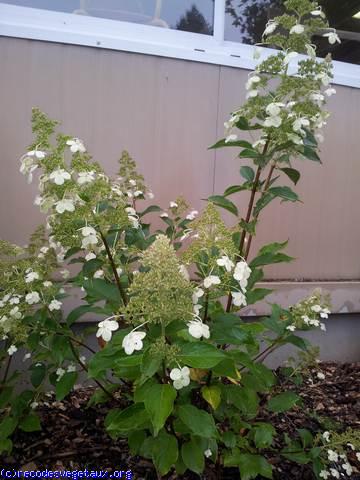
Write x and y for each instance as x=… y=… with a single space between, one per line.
x=246 y=19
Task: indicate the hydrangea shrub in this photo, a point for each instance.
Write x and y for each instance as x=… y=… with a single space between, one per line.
x=189 y=367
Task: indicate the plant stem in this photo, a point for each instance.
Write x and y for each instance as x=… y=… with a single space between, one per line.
x=84 y=367
x=247 y=219
x=113 y=266
x=266 y=186
x=6 y=370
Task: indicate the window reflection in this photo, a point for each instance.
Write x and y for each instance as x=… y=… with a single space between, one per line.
x=245 y=22
x=195 y=16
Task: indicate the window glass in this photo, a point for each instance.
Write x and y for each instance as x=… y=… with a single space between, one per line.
x=245 y=22
x=195 y=16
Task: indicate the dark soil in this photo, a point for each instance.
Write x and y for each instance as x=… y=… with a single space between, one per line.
x=73 y=436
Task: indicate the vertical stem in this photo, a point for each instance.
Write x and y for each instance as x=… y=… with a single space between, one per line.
x=206 y=306
x=84 y=367
x=266 y=186
x=248 y=216
x=6 y=370
x=113 y=266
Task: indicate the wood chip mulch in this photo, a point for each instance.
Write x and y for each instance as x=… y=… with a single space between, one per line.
x=73 y=436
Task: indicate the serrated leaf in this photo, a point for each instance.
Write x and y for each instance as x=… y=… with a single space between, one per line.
x=249 y=153
x=31 y=423
x=193 y=455
x=285 y=193
x=159 y=403
x=263 y=436
x=292 y=173
x=82 y=310
x=223 y=202
x=164 y=452
x=253 y=465
x=200 y=355
x=257 y=294
x=118 y=422
x=150 y=209
x=310 y=153
x=198 y=421
x=236 y=143
x=65 y=385
x=247 y=173
x=283 y=402
x=212 y=394
x=234 y=189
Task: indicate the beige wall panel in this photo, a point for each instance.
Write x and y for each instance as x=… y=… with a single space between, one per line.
x=163 y=111
x=166 y=113
x=324 y=231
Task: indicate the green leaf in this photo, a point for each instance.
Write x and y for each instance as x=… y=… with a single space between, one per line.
x=272 y=247
x=263 y=435
x=299 y=342
x=80 y=311
x=292 y=173
x=5 y=396
x=118 y=422
x=310 y=154
x=198 y=421
x=249 y=153
x=135 y=441
x=228 y=328
x=200 y=355
x=253 y=465
x=245 y=399
x=223 y=202
x=7 y=427
x=30 y=423
x=269 y=259
x=159 y=404
x=299 y=457
x=257 y=294
x=306 y=437
x=6 y=445
x=243 y=124
x=38 y=372
x=150 y=209
x=247 y=173
x=229 y=439
x=263 y=201
x=102 y=290
x=237 y=143
x=151 y=363
x=193 y=455
x=285 y=193
x=164 y=452
x=234 y=189
x=65 y=384
x=212 y=395
x=283 y=402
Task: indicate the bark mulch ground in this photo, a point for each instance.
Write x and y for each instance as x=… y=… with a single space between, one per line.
x=73 y=437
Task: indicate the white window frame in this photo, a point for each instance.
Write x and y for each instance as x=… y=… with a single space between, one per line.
x=50 y=26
